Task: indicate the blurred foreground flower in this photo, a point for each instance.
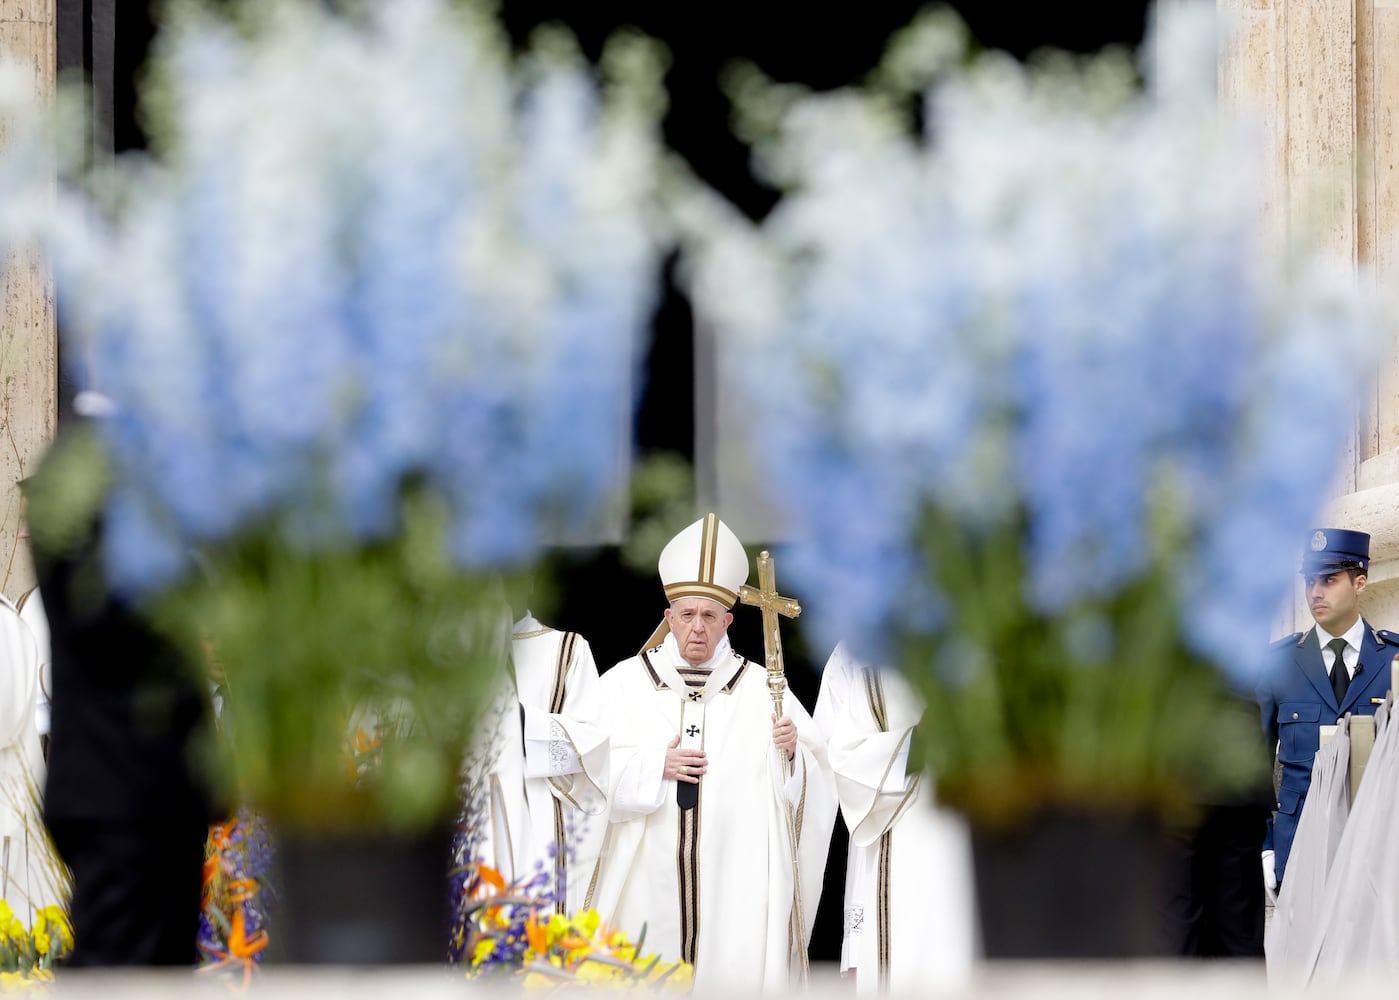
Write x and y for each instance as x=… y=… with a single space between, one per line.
x=368 y=322
x=1047 y=413
x=233 y=932
x=507 y=932
x=28 y=955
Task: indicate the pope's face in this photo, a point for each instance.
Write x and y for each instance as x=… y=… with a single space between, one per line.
x=1334 y=599
x=697 y=624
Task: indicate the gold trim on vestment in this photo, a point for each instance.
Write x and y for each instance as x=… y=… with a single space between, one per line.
x=882 y=928
x=560 y=861
x=709 y=536
x=700 y=588
x=874 y=692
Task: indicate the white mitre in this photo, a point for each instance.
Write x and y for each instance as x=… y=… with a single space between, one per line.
x=704 y=560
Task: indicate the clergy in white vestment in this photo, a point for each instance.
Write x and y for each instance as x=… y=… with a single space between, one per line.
x=544 y=809
x=31 y=874
x=910 y=904
x=31 y=610
x=721 y=811
x=841 y=677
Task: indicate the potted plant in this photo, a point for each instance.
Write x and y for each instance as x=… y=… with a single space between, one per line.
x=366 y=323
x=1041 y=403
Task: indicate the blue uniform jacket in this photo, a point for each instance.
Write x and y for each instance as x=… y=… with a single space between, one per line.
x=1296 y=700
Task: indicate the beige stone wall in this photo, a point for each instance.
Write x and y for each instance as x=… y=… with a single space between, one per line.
x=1322 y=78
x=28 y=336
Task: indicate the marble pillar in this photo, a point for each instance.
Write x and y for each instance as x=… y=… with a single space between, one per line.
x=1321 y=78
x=28 y=333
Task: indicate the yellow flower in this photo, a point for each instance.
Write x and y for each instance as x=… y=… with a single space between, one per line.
x=587 y=922
x=14 y=930
x=10 y=927
x=558 y=926
x=57 y=922
x=598 y=972
x=482 y=950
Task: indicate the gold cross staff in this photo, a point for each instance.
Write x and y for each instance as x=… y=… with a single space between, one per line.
x=772 y=604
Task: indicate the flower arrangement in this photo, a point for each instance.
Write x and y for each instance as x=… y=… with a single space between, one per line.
x=1041 y=402
x=28 y=956
x=367 y=322
x=506 y=933
x=233 y=931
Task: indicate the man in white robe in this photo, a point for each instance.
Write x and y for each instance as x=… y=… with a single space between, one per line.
x=838 y=681
x=31 y=610
x=31 y=874
x=721 y=811
x=543 y=780
x=910 y=904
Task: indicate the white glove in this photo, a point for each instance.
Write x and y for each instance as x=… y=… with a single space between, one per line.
x=1270 y=878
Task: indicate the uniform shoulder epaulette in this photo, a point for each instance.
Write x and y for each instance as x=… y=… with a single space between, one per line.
x=1287 y=640
x=1387 y=637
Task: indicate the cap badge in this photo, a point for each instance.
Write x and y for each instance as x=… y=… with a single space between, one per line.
x=1319 y=541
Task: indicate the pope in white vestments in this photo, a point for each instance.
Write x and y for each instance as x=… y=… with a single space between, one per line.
x=545 y=784
x=721 y=812
x=910 y=903
x=31 y=874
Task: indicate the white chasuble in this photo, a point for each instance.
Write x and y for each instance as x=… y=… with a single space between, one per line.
x=918 y=903
x=546 y=795
x=841 y=678
x=31 y=874
x=713 y=884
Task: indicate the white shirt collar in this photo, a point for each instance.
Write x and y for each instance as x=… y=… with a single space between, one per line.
x=1352 y=635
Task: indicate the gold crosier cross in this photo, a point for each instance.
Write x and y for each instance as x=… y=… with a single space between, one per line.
x=772 y=604
x=766 y=598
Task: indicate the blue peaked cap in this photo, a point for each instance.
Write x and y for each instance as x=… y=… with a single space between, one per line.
x=1335 y=548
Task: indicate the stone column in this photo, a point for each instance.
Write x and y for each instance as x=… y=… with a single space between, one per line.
x=1315 y=74
x=28 y=333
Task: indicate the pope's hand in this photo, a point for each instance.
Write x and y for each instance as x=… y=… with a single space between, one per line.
x=784 y=735
x=683 y=765
x=1270 y=878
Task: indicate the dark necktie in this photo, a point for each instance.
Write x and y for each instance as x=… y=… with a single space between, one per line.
x=1340 y=678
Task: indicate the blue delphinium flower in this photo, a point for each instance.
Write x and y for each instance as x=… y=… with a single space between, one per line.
x=371 y=249
x=1051 y=314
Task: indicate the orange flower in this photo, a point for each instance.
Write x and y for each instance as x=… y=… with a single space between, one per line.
x=363 y=742
x=211 y=871
x=241 y=949
x=220 y=834
x=491 y=876
x=240 y=946
x=572 y=941
x=538 y=940
x=240 y=890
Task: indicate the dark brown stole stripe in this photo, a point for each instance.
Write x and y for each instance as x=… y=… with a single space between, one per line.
x=556 y=702
x=874 y=691
x=687 y=863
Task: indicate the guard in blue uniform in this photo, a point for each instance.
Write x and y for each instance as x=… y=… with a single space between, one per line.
x=1339 y=666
